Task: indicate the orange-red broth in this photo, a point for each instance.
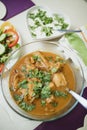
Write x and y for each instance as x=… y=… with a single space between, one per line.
x=40 y=106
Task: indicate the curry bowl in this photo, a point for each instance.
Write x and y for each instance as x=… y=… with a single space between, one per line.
x=35 y=85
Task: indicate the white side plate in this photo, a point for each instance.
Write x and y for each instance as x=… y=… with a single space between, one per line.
x=3 y=10
x=39 y=34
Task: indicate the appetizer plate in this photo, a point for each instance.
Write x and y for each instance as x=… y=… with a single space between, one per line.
x=44 y=24
x=10 y=41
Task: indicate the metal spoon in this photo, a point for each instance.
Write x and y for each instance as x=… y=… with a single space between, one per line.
x=68 y=31
x=79 y=98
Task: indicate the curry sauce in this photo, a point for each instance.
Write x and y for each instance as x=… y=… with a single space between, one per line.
x=38 y=83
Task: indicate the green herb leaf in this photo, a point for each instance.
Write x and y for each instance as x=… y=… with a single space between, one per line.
x=47 y=20
x=54 y=104
x=17 y=45
x=37 y=88
x=37 y=23
x=54 y=70
x=4 y=58
x=40 y=14
x=60 y=21
x=47 y=30
x=50 y=58
x=23 y=68
x=46 y=92
x=18 y=97
x=23 y=84
x=36 y=58
x=47 y=77
x=32 y=27
x=30 y=107
x=43 y=102
x=33 y=34
x=27 y=107
x=42 y=75
x=31 y=15
x=59 y=94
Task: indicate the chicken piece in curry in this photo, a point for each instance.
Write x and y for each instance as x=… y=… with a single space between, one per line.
x=38 y=83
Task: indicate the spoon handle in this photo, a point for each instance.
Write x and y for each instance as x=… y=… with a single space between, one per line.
x=68 y=31
x=80 y=99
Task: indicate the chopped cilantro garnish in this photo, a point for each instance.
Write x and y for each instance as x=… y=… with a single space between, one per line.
x=60 y=22
x=47 y=30
x=18 y=97
x=37 y=23
x=31 y=15
x=54 y=104
x=37 y=88
x=23 y=68
x=59 y=94
x=42 y=75
x=23 y=84
x=43 y=102
x=27 y=107
x=36 y=58
x=32 y=27
x=33 y=34
x=46 y=92
x=54 y=70
x=41 y=19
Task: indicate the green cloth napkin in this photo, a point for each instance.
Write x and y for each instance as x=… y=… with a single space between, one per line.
x=78 y=44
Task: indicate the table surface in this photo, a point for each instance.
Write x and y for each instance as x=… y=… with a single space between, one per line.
x=75 y=9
